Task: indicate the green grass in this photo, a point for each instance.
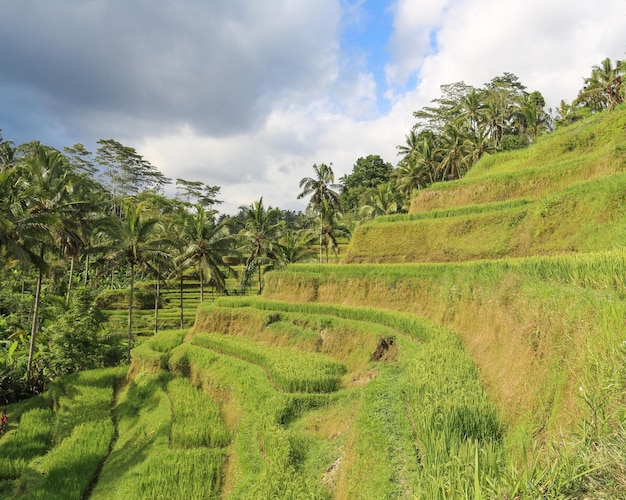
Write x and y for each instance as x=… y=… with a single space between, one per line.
x=289 y=369
x=564 y=194
x=504 y=375
x=197 y=420
x=77 y=436
x=31 y=439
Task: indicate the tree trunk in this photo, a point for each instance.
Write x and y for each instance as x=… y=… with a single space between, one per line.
x=201 y=287
x=182 y=313
x=86 y=277
x=69 y=282
x=321 y=238
x=260 y=286
x=33 y=331
x=130 y=311
x=157 y=293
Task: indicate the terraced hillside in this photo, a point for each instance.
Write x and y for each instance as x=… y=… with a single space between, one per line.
x=490 y=364
x=564 y=194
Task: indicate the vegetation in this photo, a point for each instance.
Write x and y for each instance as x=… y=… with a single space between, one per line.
x=472 y=348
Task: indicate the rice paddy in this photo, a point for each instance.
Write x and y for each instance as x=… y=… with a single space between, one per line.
x=477 y=373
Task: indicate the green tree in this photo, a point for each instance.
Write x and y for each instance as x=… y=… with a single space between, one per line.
x=321 y=188
x=382 y=201
x=454 y=150
x=207 y=242
x=296 y=245
x=604 y=89
x=367 y=173
x=126 y=172
x=76 y=342
x=472 y=110
x=331 y=228
x=419 y=162
x=135 y=241
x=197 y=192
x=502 y=97
x=48 y=187
x=7 y=153
x=80 y=159
x=260 y=234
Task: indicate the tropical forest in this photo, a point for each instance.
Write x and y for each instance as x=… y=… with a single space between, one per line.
x=447 y=325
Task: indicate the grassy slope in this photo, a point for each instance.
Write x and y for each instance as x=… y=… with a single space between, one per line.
x=543 y=338
x=564 y=194
x=537 y=329
x=523 y=258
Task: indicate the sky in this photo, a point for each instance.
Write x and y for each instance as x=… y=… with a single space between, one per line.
x=248 y=95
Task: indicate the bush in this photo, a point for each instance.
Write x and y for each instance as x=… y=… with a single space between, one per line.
x=118 y=299
x=76 y=340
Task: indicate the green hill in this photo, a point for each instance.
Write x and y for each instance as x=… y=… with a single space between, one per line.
x=473 y=348
x=564 y=194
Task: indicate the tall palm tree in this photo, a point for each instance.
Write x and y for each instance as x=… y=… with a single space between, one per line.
x=85 y=212
x=410 y=176
x=472 y=110
x=477 y=145
x=207 y=243
x=48 y=187
x=604 y=89
x=418 y=163
x=332 y=228
x=454 y=153
x=410 y=148
x=321 y=188
x=260 y=234
x=532 y=119
x=11 y=213
x=8 y=153
x=135 y=241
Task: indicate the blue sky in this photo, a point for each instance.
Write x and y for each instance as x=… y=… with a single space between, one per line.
x=249 y=95
x=364 y=42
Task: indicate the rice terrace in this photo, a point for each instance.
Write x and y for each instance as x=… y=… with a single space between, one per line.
x=470 y=346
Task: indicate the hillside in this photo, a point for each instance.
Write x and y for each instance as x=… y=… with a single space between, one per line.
x=564 y=194
x=474 y=348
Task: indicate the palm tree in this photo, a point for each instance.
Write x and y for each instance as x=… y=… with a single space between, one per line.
x=321 y=188
x=382 y=201
x=410 y=176
x=410 y=148
x=207 y=243
x=260 y=234
x=135 y=241
x=604 y=89
x=477 y=145
x=533 y=120
x=11 y=213
x=329 y=220
x=295 y=245
x=7 y=154
x=48 y=187
x=419 y=162
x=472 y=109
x=454 y=153
x=85 y=213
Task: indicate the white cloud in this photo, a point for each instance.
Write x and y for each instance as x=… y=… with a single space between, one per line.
x=249 y=95
x=549 y=45
x=415 y=25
